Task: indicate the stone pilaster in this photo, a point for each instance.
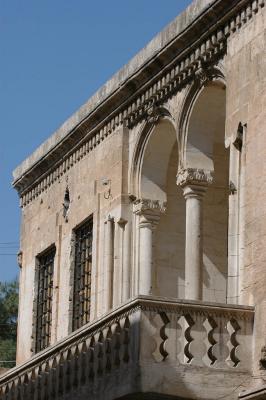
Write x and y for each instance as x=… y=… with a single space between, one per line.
x=109 y=262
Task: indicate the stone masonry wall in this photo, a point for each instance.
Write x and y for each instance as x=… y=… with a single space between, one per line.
x=246 y=103
x=43 y=225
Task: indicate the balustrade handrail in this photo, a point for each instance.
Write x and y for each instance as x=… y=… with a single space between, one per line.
x=141 y=302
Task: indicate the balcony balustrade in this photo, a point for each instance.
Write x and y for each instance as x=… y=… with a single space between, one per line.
x=147 y=348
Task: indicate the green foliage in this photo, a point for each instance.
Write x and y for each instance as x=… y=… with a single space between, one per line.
x=8 y=322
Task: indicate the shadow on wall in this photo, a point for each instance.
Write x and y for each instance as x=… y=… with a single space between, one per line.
x=204 y=149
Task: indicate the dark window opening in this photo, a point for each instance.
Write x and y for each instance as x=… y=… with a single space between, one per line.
x=82 y=275
x=44 y=299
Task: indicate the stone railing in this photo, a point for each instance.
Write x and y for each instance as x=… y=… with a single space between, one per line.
x=150 y=345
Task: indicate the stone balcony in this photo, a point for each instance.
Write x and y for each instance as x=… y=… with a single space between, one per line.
x=148 y=348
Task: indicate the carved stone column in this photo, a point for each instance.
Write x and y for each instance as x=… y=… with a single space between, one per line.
x=149 y=212
x=194 y=183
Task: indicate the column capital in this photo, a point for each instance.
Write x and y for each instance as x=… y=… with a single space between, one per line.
x=194 y=176
x=150 y=211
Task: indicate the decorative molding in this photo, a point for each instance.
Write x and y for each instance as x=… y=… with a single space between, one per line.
x=154 y=114
x=193 y=63
x=194 y=176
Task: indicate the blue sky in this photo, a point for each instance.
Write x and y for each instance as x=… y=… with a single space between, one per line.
x=54 y=55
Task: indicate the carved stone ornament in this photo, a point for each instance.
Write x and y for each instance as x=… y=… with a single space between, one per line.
x=149 y=211
x=19 y=259
x=142 y=206
x=154 y=113
x=66 y=204
x=203 y=75
x=194 y=176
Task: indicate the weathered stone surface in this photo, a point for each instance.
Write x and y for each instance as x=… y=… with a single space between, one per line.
x=193 y=101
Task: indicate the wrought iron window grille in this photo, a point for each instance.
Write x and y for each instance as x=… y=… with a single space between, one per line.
x=82 y=274
x=45 y=268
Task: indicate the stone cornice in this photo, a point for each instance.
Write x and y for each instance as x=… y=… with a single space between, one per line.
x=188 y=56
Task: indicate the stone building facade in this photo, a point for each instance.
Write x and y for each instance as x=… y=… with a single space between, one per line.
x=144 y=225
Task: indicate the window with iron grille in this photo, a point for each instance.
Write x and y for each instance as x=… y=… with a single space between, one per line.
x=82 y=275
x=45 y=270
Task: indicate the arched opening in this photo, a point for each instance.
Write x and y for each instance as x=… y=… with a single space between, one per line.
x=205 y=150
x=157 y=182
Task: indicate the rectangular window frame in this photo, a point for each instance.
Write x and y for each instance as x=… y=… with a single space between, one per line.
x=81 y=279
x=43 y=304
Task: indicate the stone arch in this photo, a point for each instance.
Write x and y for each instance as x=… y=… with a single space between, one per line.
x=204 y=162
x=144 y=180
x=206 y=80
x=160 y=205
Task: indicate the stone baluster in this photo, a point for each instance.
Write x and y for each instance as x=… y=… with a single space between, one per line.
x=194 y=183
x=149 y=212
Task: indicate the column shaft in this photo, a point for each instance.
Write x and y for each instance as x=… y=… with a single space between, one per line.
x=145 y=281
x=194 y=243
x=194 y=182
x=149 y=212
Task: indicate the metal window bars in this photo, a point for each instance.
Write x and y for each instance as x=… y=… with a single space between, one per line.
x=44 y=299
x=82 y=275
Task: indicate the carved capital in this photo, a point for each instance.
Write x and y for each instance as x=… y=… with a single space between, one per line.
x=150 y=211
x=194 y=176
